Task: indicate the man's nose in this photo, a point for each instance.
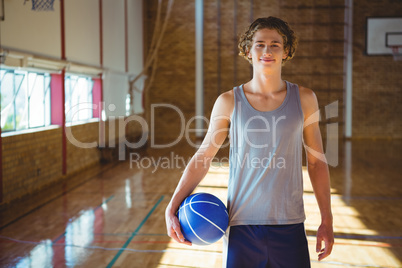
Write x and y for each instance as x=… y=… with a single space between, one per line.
x=267 y=51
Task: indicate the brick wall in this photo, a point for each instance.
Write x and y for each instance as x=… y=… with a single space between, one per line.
x=33 y=160
x=30 y=161
x=79 y=157
x=174 y=82
x=318 y=63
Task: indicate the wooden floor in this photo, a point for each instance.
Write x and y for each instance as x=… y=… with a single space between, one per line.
x=113 y=215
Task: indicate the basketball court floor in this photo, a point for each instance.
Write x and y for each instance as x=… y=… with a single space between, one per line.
x=113 y=215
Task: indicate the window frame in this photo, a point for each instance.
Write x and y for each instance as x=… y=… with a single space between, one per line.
x=89 y=97
x=29 y=91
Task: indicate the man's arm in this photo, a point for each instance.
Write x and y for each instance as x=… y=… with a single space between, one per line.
x=199 y=164
x=318 y=170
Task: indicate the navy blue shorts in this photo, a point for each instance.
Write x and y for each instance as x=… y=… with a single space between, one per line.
x=272 y=246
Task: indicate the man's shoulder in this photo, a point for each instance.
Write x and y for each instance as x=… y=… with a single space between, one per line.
x=227 y=96
x=308 y=100
x=307 y=94
x=224 y=103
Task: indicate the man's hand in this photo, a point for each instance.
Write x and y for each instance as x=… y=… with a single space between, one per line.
x=173 y=228
x=326 y=234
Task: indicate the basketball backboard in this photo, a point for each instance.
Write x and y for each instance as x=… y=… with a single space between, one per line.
x=382 y=34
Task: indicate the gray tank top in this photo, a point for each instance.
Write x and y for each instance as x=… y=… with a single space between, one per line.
x=265 y=179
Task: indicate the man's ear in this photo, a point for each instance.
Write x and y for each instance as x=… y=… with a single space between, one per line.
x=285 y=54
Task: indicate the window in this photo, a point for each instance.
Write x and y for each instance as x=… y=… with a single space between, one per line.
x=78 y=103
x=25 y=99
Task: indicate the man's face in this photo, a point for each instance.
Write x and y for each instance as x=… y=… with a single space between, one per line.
x=267 y=49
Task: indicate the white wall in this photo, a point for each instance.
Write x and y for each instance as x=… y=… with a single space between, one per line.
x=39 y=33
x=113 y=35
x=30 y=31
x=82 y=31
x=115 y=95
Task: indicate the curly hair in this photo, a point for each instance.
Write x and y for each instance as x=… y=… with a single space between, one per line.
x=289 y=38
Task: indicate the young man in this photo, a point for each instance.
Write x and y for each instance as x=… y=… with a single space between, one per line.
x=268 y=120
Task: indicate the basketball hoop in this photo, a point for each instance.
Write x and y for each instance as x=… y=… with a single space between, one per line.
x=42 y=5
x=397 y=53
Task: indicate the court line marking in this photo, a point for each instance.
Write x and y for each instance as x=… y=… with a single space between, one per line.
x=123 y=248
x=181 y=251
x=376 y=244
x=351 y=236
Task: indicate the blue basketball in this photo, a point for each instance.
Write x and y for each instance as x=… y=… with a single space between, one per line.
x=203 y=218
